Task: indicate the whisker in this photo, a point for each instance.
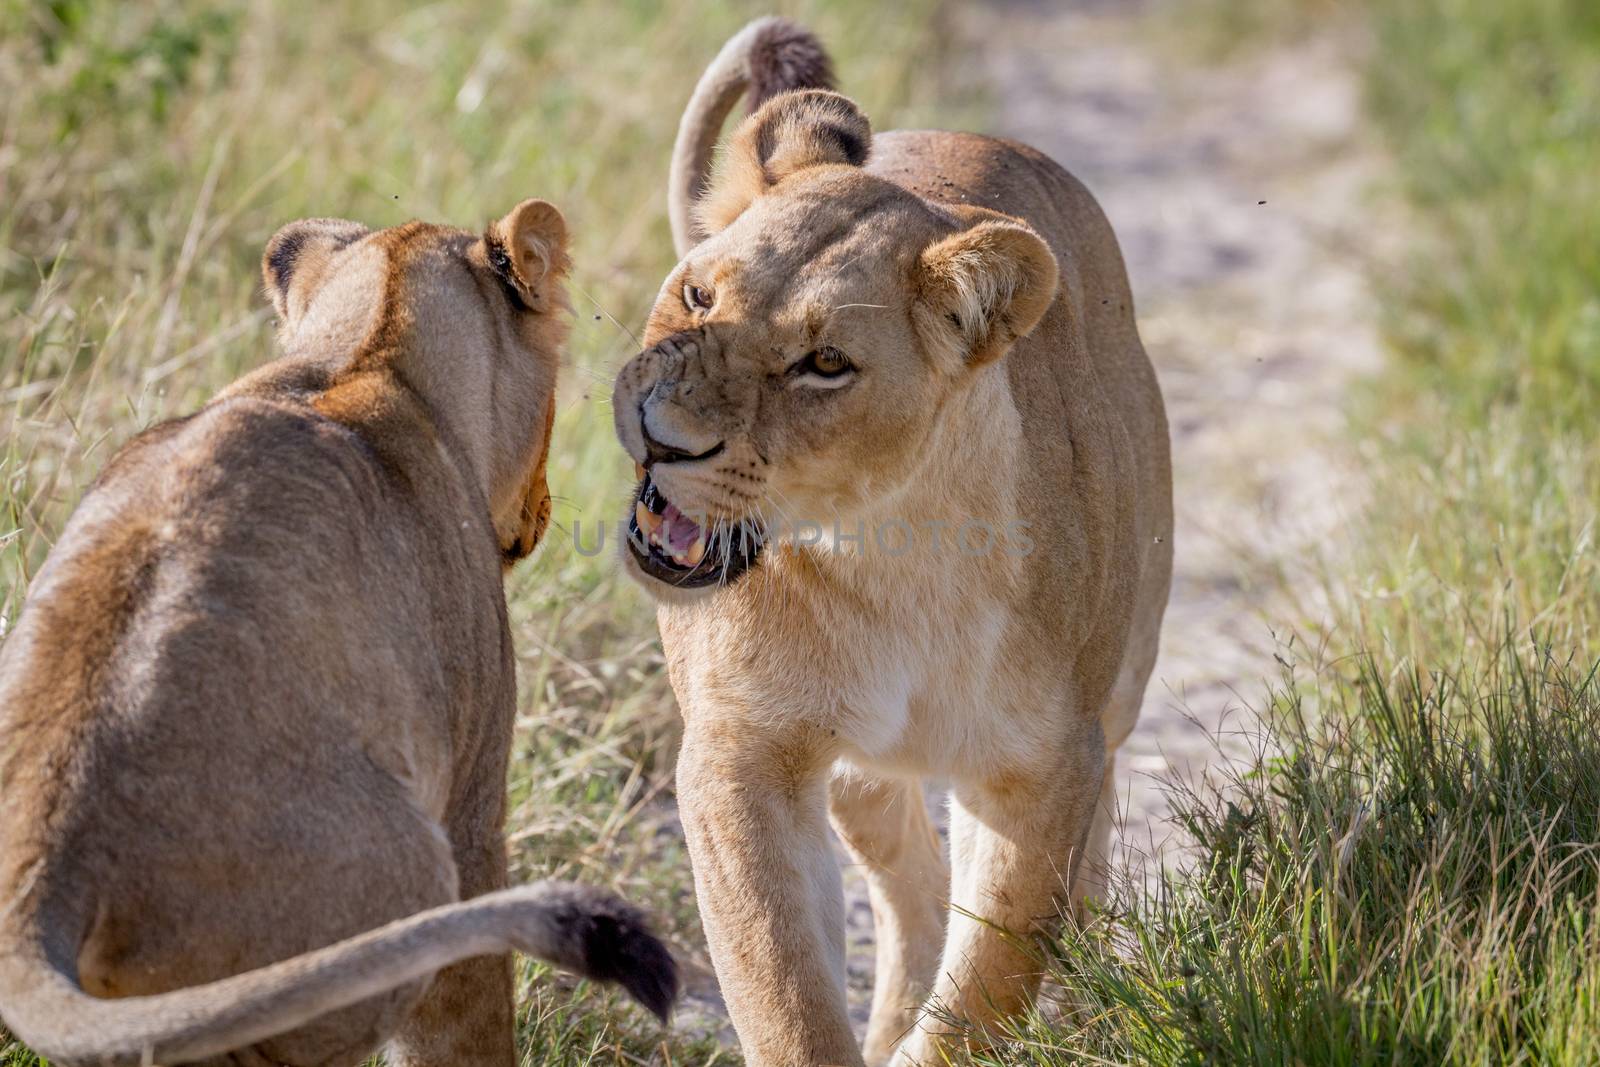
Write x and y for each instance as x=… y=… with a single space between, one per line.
x=600 y=376
x=583 y=293
x=727 y=557
x=840 y=269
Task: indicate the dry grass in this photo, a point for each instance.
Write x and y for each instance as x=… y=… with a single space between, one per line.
x=147 y=152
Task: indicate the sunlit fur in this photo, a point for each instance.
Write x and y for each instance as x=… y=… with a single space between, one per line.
x=260 y=700
x=980 y=295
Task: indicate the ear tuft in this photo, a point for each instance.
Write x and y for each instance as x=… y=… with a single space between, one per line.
x=528 y=250
x=985 y=287
x=790 y=133
x=301 y=245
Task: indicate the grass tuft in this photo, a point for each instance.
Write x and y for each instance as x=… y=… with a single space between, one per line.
x=1408 y=875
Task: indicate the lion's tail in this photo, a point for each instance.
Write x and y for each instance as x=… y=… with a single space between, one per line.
x=769 y=56
x=588 y=931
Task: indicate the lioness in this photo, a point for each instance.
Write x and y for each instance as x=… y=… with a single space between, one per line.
x=260 y=700
x=923 y=343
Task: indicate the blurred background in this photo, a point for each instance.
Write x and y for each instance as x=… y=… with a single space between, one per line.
x=1364 y=238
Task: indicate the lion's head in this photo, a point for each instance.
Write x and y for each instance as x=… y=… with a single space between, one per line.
x=473 y=323
x=801 y=356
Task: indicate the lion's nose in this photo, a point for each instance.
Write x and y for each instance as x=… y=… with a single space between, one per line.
x=669 y=444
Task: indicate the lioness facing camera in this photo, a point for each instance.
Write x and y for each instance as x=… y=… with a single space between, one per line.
x=260 y=701
x=906 y=504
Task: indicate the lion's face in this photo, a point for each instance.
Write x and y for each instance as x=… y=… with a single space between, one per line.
x=473 y=322
x=801 y=357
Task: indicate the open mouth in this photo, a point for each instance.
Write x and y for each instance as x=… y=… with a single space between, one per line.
x=673 y=548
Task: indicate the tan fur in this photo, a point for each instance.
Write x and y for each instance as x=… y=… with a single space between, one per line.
x=260 y=700
x=981 y=296
x=767 y=57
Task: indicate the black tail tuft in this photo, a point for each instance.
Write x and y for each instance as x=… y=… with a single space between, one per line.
x=619 y=947
x=786 y=56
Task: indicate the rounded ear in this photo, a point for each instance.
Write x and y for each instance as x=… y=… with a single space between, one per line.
x=981 y=289
x=300 y=250
x=789 y=133
x=528 y=250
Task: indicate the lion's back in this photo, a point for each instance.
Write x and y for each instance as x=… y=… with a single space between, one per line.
x=1085 y=389
x=235 y=598
x=1092 y=326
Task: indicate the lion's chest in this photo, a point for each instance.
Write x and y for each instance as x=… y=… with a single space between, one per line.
x=935 y=700
x=937 y=680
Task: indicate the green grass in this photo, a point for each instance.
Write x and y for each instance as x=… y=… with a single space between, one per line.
x=1410 y=879
x=147 y=151
x=1221 y=29
x=1407 y=875
x=1410 y=872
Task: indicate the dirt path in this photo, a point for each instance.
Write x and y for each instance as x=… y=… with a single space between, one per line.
x=1234 y=191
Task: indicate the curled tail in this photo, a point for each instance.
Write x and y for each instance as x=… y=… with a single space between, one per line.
x=769 y=56
x=588 y=931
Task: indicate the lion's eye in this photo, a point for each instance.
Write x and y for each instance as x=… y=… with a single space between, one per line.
x=697 y=297
x=825 y=363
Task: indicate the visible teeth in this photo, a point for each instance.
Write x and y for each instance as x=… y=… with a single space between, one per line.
x=696 y=553
x=649 y=522
x=638 y=471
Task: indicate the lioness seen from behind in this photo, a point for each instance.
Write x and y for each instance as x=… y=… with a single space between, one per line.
x=259 y=703
x=906 y=503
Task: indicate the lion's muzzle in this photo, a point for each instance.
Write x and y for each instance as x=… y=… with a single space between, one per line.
x=672 y=405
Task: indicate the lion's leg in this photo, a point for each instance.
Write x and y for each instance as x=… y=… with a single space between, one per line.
x=466 y=1017
x=1095 y=873
x=1117 y=721
x=1015 y=843
x=884 y=824
x=754 y=809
